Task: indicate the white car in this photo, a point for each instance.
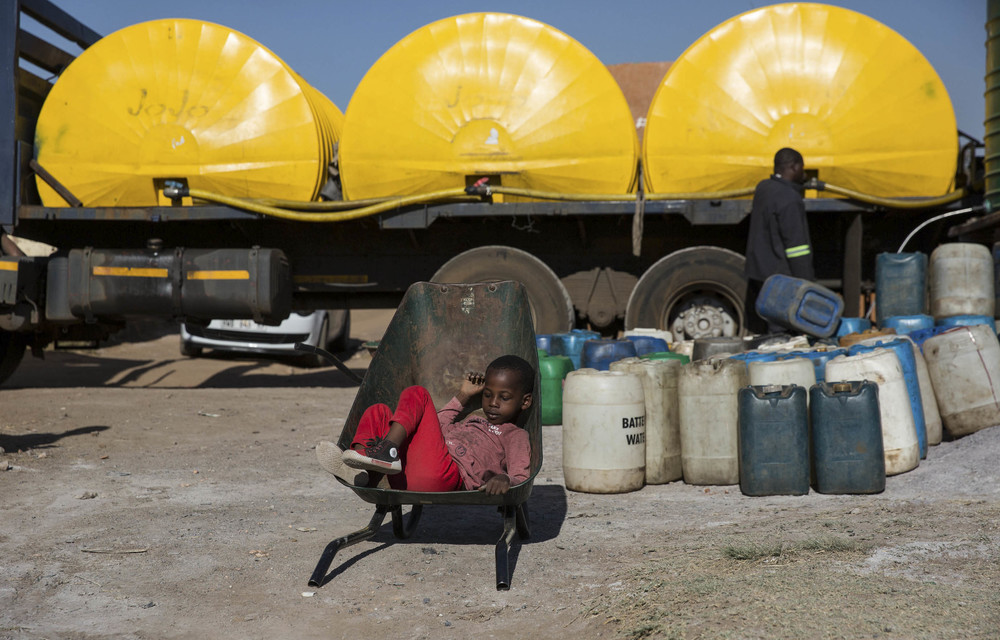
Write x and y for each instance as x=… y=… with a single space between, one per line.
x=329 y=329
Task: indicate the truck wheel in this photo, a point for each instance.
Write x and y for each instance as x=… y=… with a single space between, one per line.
x=11 y=351
x=189 y=350
x=694 y=293
x=551 y=307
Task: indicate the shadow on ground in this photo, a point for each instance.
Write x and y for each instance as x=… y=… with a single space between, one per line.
x=480 y=525
x=27 y=441
x=218 y=370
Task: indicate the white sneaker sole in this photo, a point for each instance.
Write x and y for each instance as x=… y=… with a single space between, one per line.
x=357 y=460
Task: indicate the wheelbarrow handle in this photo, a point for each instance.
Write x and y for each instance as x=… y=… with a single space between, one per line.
x=337 y=362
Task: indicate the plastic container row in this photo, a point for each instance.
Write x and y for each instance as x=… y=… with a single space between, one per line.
x=726 y=420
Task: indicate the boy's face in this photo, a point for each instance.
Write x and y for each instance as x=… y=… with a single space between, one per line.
x=503 y=398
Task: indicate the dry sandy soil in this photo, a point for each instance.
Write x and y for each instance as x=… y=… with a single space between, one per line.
x=150 y=496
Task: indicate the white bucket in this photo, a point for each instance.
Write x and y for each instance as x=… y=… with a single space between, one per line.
x=961 y=280
x=604 y=431
x=899 y=432
x=709 y=418
x=663 y=430
x=964 y=366
x=800 y=371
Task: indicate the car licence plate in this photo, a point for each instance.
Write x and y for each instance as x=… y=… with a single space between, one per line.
x=238 y=324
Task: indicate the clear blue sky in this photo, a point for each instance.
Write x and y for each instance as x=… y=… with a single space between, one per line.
x=332 y=43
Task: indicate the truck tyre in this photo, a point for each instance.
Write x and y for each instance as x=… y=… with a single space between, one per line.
x=551 y=306
x=189 y=350
x=11 y=351
x=696 y=292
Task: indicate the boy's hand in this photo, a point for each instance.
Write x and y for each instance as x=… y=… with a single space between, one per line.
x=471 y=385
x=497 y=485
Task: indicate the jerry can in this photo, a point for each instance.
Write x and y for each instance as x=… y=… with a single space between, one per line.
x=900 y=285
x=553 y=370
x=666 y=355
x=904 y=352
x=847 y=452
x=800 y=305
x=905 y=325
x=647 y=344
x=774 y=440
x=599 y=353
x=604 y=432
x=570 y=344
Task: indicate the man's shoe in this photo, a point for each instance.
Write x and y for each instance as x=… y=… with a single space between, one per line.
x=378 y=454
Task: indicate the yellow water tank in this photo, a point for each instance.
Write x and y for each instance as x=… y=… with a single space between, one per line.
x=183 y=99
x=862 y=105
x=487 y=94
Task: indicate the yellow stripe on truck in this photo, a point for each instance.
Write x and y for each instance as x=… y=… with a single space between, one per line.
x=130 y=272
x=229 y=274
x=8 y=265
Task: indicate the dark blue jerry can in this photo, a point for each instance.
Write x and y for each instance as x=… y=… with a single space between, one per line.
x=847 y=449
x=599 y=354
x=648 y=344
x=570 y=344
x=900 y=285
x=773 y=440
x=800 y=305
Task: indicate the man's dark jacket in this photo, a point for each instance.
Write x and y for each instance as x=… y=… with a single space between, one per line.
x=778 y=241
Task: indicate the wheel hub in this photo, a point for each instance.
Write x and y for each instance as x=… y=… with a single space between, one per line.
x=704 y=318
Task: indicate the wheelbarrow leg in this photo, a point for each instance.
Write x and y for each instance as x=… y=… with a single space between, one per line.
x=503 y=547
x=331 y=549
x=523 y=526
x=404 y=530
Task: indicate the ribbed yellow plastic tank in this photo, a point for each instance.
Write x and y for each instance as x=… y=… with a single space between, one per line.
x=862 y=105
x=183 y=99
x=487 y=94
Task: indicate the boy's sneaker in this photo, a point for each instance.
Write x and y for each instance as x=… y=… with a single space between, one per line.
x=379 y=454
x=330 y=457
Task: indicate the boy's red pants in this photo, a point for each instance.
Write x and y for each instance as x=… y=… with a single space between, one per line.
x=427 y=465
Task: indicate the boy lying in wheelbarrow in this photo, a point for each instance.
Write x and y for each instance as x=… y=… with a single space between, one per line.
x=422 y=449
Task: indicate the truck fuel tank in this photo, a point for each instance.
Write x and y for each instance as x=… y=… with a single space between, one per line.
x=190 y=283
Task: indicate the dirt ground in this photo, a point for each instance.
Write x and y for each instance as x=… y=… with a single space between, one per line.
x=150 y=496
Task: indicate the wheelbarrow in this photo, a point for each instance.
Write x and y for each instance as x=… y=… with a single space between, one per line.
x=440 y=332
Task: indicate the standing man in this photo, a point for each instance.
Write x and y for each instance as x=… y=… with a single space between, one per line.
x=779 y=233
